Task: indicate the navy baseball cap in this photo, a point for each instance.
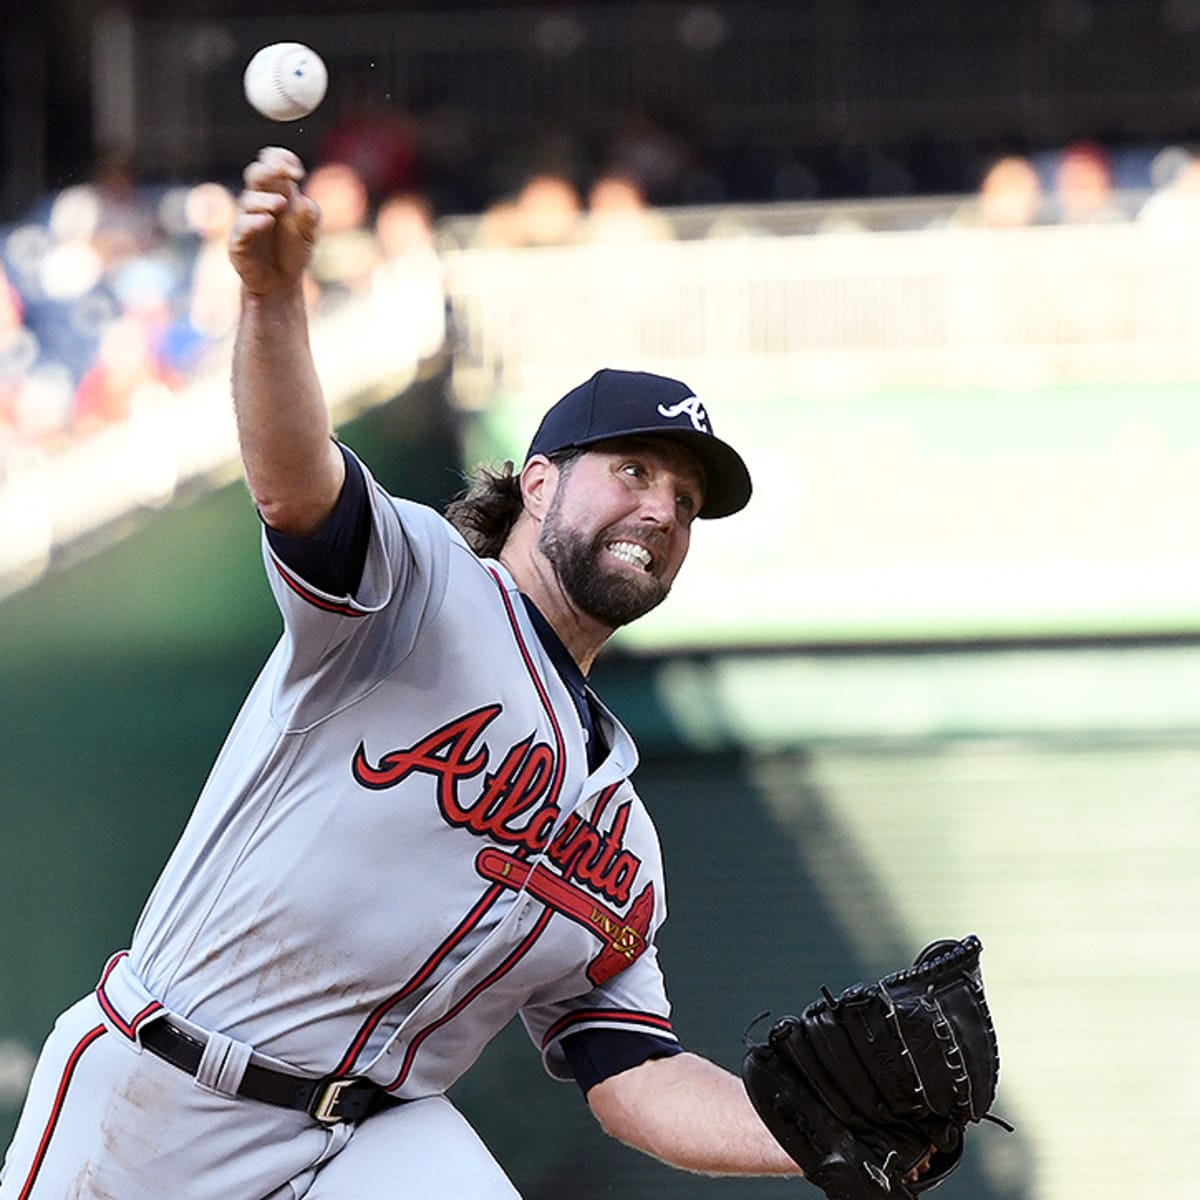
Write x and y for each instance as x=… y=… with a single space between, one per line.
x=614 y=404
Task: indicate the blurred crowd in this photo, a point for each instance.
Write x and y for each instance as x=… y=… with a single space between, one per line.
x=1083 y=184
x=115 y=294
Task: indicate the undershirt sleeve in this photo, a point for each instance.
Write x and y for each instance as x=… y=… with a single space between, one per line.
x=596 y=1054
x=332 y=558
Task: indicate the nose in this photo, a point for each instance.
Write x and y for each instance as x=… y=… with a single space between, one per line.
x=659 y=503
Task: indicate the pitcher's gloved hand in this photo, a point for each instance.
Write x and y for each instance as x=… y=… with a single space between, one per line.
x=870 y=1092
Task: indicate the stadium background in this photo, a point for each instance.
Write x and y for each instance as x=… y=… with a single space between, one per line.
x=942 y=679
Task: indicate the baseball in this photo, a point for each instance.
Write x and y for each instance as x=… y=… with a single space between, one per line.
x=285 y=81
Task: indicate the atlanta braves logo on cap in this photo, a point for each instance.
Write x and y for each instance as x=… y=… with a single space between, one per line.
x=693 y=408
x=622 y=404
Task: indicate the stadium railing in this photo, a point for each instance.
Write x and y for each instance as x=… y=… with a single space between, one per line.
x=848 y=309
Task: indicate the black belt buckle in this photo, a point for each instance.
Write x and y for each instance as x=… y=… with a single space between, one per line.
x=337 y=1100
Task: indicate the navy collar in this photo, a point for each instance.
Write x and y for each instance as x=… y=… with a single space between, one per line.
x=560 y=656
x=574 y=679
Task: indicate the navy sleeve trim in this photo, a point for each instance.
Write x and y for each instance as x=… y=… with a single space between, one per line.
x=594 y=1055
x=332 y=559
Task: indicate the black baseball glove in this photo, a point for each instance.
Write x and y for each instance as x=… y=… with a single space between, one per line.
x=871 y=1091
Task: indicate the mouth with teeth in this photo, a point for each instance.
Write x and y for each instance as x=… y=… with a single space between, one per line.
x=631 y=553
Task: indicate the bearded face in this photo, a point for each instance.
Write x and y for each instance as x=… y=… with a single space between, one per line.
x=600 y=573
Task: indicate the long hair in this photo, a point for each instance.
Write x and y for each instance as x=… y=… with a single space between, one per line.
x=487 y=511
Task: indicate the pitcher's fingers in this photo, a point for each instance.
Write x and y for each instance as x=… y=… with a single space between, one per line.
x=271 y=176
x=249 y=225
x=257 y=201
x=282 y=158
x=915 y=1174
x=307 y=213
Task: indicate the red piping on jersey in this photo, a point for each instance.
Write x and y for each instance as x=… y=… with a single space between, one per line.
x=602 y=803
x=56 y=1109
x=381 y=1010
x=608 y=1016
x=333 y=606
x=128 y=1028
x=507 y=965
x=490 y=896
x=560 y=755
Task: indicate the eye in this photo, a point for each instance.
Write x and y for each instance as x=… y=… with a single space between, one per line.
x=634 y=469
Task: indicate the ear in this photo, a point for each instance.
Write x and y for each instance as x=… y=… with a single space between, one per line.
x=539 y=480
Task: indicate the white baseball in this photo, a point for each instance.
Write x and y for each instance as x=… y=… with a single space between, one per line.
x=285 y=81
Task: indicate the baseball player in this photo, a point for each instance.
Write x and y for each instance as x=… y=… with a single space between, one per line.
x=420 y=825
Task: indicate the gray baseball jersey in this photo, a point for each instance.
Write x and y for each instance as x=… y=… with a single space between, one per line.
x=400 y=845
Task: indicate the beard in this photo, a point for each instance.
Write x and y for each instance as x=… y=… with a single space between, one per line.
x=611 y=595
